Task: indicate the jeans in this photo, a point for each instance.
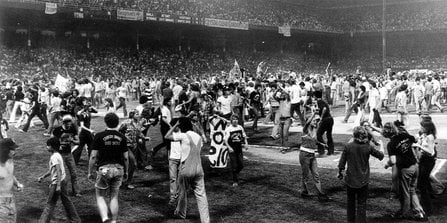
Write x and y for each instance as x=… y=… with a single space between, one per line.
x=8 y=211
x=71 y=166
x=357 y=213
x=53 y=197
x=237 y=164
x=256 y=114
x=132 y=166
x=173 y=172
x=426 y=165
x=9 y=108
x=354 y=107
x=53 y=117
x=285 y=122
x=408 y=198
x=309 y=166
x=122 y=103
x=326 y=126
x=141 y=155
x=43 y=112
x=297 y=108
x=85 y=139
x=17 y=105
x=31 y=116
x=197 y=183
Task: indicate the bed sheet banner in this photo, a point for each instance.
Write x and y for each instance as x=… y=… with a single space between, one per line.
x=50 y=8
x=129 y=15
x=218 y=155
x=227 y=24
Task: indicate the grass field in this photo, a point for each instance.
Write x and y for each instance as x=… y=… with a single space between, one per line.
x=268 y=192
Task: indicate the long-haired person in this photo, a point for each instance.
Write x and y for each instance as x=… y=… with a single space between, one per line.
x=401 y=153
x=356 y=154
x=427 y=161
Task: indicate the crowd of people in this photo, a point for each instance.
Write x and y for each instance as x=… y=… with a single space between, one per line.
x=186 y=108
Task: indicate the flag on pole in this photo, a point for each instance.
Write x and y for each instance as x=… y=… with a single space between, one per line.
x=235 y=71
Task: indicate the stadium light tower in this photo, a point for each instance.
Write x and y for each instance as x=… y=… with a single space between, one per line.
x=383 y=35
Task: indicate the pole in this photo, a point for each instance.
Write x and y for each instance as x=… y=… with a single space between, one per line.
x=383 y=35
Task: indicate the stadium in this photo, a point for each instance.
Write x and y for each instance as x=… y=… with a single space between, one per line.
x=197 y=52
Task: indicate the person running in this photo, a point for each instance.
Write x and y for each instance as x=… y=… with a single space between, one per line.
x=235 y=140
x=190 y=172
x=8 y=182
x=356 y=155
x=256 y=106
x=86 y=133
x=111 y=157
x=58 y=185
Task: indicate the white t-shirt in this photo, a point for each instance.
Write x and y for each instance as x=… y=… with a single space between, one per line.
x=176 y=150
x=55 y=104
x=295 y=94
x=55 y=159
x=374 y=97
x=185 y=143
x=166 y=113
x=225 y=104
x=383 y=91
x=122 y=92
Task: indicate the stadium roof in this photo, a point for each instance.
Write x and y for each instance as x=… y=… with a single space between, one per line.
x=351 y=3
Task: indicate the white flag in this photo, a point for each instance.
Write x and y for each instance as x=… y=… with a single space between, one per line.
x=50 y=8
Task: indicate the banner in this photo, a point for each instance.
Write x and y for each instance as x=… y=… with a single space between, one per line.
x=129 y=15
x=284 y=30
x=151 y=16
x=218 y=155
x=50 y=8
x=228 y=24
x=235 y=72
x=62 y=83
x=166 y=17
x=78 y=15
x=184 y=19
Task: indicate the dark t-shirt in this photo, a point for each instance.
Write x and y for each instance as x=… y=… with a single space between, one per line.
x=255 y=98
x=111 y=145
x=86 y=117
x=401 y=146
x=65 y=136
x=19 y=96
x=322 y=104
x=167 y=93
x=9 y=95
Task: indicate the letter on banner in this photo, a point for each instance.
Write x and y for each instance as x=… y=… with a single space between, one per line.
x=218 y=155
x=50 y=8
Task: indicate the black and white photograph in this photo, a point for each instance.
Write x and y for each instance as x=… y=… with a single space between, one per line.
x=223 y=111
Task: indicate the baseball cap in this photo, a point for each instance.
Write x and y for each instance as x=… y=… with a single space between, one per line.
x=8 y=143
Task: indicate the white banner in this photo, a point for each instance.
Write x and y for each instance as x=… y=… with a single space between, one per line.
x=218 y=155
x=62 y=83
x=151 y=16
x=228 y=24
x=184 y=19
x=50 y=8
x=129 y=15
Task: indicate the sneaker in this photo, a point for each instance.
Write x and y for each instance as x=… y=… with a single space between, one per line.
x=77 y=195
x=47 y=134
x=21 y=130
x=420 y=217
x=235 y=184
x=148 y=167
x=130 y=187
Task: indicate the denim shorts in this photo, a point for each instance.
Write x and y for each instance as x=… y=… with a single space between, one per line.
x=109 y=176
x=8 y=212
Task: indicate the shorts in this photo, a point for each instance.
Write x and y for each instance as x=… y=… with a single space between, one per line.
x=8 y=212
x=109 y=176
